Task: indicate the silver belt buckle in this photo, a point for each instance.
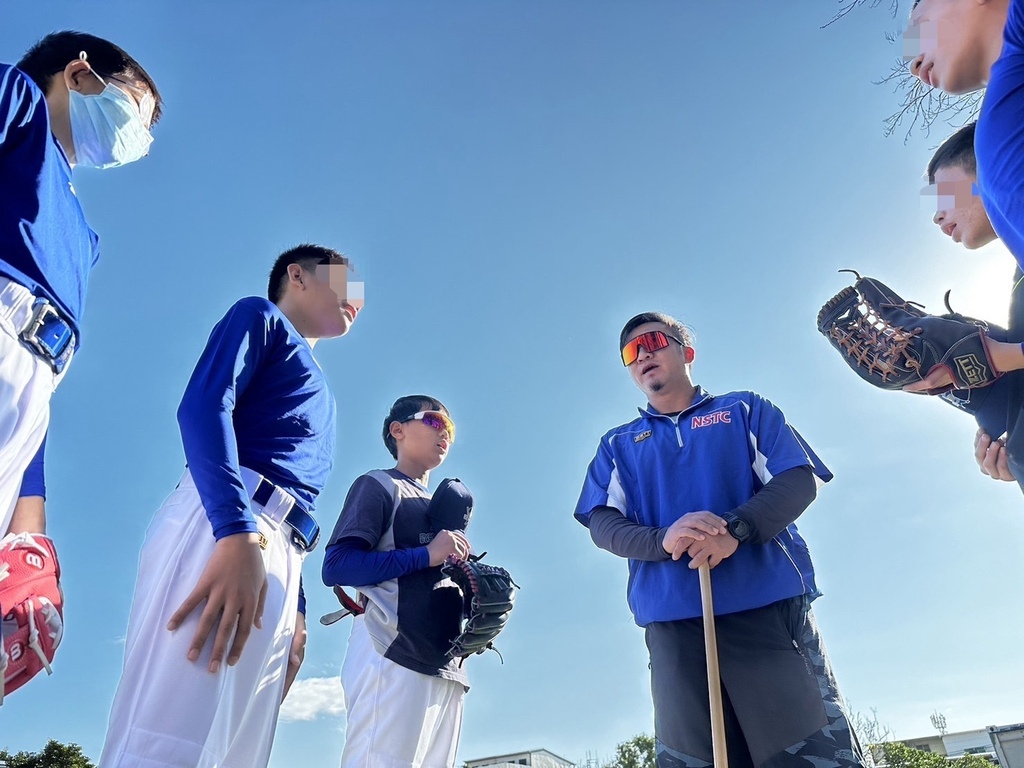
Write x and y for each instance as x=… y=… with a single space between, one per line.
x=57 y=343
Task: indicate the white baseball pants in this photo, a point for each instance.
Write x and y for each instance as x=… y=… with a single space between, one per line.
x=397 y=718
x=26 y=384
x=169 y=711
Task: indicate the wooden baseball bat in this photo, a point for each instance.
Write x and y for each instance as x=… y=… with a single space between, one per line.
x=714 y=680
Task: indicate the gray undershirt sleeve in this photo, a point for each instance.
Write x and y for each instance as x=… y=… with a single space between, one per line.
x=613 y=531
x=779 y=503
x=769 y=511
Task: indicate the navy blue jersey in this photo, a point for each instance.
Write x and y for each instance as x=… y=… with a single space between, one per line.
x=999 y=137
x=713 y=456
x=414 y=617
x=256 y=399
x=45 y=243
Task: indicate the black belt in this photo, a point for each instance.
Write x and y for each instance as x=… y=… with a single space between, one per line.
x=49 y=335
x=305 y=530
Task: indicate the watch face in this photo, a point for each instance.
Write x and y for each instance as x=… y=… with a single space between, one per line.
x=740 y=529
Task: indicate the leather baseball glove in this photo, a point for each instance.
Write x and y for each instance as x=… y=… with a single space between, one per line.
x=32 y=608
x=890 y=342
x=488 y=593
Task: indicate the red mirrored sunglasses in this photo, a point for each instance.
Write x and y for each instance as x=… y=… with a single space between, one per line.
x=651 y=341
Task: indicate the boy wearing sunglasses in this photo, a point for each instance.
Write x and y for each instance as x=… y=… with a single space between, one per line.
x=403 y=692
x=717 y=479
x=220 y=570
x=72 y=100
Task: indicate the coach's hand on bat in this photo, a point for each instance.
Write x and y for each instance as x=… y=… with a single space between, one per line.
x=712 y=550
x=234 y=587
x=689 y=529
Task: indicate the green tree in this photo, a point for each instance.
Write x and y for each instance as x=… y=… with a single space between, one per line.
x=899 y=755
x=638 y=752
x=53 y=755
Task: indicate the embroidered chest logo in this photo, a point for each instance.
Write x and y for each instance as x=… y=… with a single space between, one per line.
x=718 y=417
x=642 y=436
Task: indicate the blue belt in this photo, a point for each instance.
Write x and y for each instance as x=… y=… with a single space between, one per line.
x=305 y=530
x=49 y=335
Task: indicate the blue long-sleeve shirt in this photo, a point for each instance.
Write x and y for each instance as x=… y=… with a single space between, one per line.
x=46 y=244
x=33 y=482
x=350 y=562
x=258 y=399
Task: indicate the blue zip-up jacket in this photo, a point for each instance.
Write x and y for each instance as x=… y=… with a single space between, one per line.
x=713 y=456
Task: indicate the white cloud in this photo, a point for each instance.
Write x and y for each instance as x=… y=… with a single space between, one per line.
x=312 y=697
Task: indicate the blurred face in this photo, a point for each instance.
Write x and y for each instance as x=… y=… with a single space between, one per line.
x=327 y=302
x=959 y=212
x=947 y=44
x=343 y=281
x=330 y=313
x=654 y=370
x=425 y=438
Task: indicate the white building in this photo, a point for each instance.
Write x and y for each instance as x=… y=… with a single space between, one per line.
x=538 y=758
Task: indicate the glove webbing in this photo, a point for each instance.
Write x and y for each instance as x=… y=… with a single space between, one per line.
x=866 y=337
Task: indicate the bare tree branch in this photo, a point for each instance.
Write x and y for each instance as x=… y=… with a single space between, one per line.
x=845 y=6
x=921 y=106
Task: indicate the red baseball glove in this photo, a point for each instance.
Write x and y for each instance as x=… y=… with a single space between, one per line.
x=32 y=608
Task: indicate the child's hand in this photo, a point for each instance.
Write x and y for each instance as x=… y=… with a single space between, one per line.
x=234 y=586
x=447 y=543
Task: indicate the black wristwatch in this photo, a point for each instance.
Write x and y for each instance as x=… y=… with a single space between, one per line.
x=739 y=528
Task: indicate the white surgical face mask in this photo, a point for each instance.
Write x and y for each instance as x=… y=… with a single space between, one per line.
x=107 y=128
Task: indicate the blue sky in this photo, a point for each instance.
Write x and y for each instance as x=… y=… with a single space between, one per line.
x=514 y=180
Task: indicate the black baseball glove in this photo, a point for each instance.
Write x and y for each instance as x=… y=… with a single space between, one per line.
x=488 y=593
x=891 y=342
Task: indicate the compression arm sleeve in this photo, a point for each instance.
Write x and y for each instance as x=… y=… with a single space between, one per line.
x=779 y=503
x=350 y=562
x=613 y=531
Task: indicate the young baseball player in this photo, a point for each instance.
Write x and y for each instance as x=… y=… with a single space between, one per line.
x=717 y=479
x=72 y=100
x=961 y=46
x=219 y=574
x=953 y=180
x=403 y=692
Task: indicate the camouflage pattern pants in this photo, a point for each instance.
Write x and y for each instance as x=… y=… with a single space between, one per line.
x=782 y=706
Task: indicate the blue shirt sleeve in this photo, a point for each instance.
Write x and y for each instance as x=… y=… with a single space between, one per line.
x=602 y=486
x=234 y=352
x=20 y=103
x=366 y=513
x=351 y=563
x=777 y=446
x=302 y=598
x=33 y=482
x=351 y=559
